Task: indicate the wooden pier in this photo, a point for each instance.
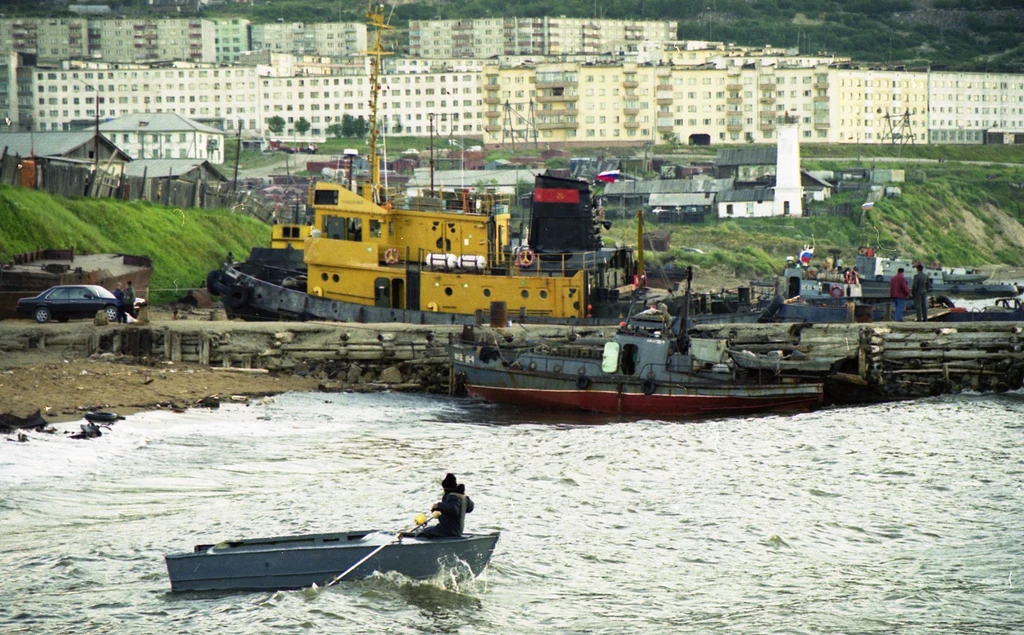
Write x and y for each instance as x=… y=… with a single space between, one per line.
x=861 y=363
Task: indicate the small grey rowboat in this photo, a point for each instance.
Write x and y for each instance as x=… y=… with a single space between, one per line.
x=294 y=562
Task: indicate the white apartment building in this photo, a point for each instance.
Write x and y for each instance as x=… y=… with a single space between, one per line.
x=963 y=105
x=67 y=98
x=335 y=39
x=232 y=39
x=114 y=40
x=486 y=37
x=165 y=136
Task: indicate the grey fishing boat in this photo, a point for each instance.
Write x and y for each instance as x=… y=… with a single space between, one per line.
x=294 y=562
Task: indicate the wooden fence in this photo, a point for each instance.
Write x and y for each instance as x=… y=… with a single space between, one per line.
x=77 y=179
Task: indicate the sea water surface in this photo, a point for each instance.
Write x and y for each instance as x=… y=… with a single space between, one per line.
x=902 y=518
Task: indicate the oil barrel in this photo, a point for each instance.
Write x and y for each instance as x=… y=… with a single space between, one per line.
x=499 y=314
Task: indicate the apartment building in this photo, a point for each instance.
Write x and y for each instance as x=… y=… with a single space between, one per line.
x=232 y=39
x=962 y=106
x=334 y=39
x=68 y=98
x=114 y=40
x=486 y=37
x=879 y=106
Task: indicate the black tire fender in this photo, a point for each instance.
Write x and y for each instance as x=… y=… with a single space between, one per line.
x=583 y=382
x=649 y=386
x=237 y=297
x=102 y=417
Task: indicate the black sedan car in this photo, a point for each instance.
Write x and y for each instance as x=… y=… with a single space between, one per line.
x=71 y=301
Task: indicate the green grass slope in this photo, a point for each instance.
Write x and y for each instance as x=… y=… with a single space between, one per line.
x=184 y=244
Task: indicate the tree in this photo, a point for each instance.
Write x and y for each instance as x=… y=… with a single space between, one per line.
x=276 y=124
x=348 y=123
x=302 y=126
x=336 y=130
x=397 y=127
x=361 y=127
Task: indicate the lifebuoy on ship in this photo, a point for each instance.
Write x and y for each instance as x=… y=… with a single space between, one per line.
x=391 y=255
x=583 y=382
x=649 y=386
x=863 y=251
x=836 y=291
x=526 y=257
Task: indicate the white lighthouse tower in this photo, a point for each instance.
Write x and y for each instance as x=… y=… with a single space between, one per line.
x=789 y=192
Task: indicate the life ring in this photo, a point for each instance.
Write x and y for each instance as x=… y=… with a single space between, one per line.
x=391 y=255
x=526 y=257
x=863 y=251
x=649 y=386
x=836 y=291
x=583 y=382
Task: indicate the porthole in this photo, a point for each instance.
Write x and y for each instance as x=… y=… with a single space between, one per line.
x=487 y=293
x=447 y=290
x=336 y=277
x=525 y=293
x=543 y=294
x=324 y=276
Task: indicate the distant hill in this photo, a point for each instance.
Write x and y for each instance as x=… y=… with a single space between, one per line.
x=980 y=35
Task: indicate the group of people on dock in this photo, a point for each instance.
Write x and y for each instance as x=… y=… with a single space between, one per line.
x=900 y=292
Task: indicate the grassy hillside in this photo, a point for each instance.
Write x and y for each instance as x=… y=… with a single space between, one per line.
x=959 y=215
x=184 y=244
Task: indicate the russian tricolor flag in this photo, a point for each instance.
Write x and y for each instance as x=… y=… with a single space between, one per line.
x=609 y=177
x=868 y=205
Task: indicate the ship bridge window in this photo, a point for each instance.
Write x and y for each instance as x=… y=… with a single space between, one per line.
x=375 y=226
x=325 y=197
x=341 y=228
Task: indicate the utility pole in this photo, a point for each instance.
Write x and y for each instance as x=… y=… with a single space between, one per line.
x=430 y=116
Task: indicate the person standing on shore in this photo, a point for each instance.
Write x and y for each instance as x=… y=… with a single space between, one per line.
x=899 y=291
x=920 y=292
x=129 y=301
x=119 y=296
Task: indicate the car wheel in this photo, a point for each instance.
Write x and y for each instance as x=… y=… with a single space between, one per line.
x=111 y=312
x=42 y=315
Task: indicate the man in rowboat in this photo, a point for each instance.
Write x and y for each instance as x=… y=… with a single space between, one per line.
x=454 y=506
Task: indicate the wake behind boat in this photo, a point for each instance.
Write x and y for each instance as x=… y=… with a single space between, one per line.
x=295 y=562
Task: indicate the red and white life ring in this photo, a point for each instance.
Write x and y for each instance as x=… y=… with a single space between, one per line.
x=391 y=255
x=837 y=291
x=526 y=257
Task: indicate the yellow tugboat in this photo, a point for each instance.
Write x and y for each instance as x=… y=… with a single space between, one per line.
x=445 y=257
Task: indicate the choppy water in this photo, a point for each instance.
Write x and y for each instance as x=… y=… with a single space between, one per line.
x=893 y=519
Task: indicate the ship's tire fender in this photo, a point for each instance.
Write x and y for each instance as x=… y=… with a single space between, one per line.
x=213 y=283
x=237 y=297
x=944 y=302
x=391 y=255
x=583 y=382
x=102 y=417
x=836 y=291
x=649 y=386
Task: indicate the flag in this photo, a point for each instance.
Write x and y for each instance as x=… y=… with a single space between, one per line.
x=805 y=256
x=609 y=177
x=868 y=205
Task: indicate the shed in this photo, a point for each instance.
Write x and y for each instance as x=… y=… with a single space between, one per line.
x=752 y=203
x=191 y=170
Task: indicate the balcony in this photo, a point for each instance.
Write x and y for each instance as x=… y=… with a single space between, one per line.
x=663 y=88
x=821 y=85
x=492 y=114
x=821 y=99
x=631 y=111
x=664 y=101
x=821 y=125
x=557 y=125
x=562 y=84
x=767 y=113
x=666 y=129
x=767 y=100
x=734 y=88
x=767 y=85
x=734 y=127
x=631 y=124
x=734 y=100
x=492 y=128
x=630 y=83
x=556 y=98
x=765 y=125
x=491 y=87
x=492 y=101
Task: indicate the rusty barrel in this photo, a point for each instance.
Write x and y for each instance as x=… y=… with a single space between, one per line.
x=499 y=314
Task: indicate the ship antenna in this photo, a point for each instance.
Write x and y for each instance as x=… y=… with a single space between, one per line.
x=375 y=17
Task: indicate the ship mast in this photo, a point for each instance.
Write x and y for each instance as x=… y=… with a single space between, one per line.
x=375 y=16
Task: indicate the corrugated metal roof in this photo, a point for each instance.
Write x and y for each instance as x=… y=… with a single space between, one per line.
x=156 y=122
x=698 y=199
x=744 y=196
x=156 y=168
x=470 y=178
x=47 y=144
x=746 y=156
x=667 y=186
